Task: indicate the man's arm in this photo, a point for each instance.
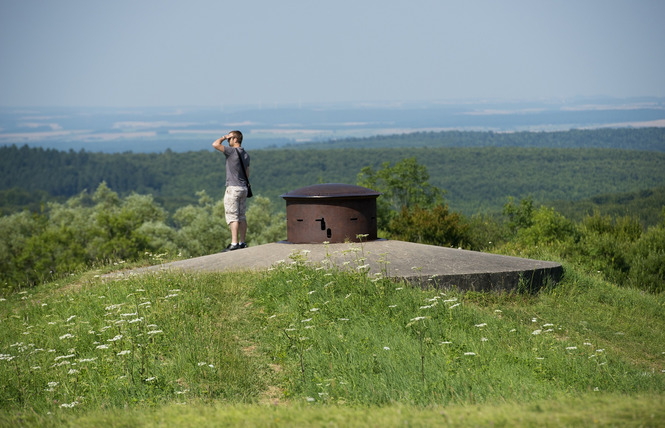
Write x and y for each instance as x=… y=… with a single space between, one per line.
x=218 y=144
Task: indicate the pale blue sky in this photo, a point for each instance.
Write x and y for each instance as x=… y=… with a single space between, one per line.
x=140 y=53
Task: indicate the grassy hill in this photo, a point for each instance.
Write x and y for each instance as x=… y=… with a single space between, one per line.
x=300 y=345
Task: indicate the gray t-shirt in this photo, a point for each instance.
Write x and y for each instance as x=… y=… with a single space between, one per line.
x=235 y=176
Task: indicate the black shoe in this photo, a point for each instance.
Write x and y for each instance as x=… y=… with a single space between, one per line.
x=243 y=245
x=231 y=247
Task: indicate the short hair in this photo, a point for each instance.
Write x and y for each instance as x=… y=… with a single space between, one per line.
x=238 y=135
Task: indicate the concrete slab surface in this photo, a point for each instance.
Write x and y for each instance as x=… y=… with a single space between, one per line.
x=423 y=264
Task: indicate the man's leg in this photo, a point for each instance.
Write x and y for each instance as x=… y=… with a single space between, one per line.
x=242 y=231
x=235 y=228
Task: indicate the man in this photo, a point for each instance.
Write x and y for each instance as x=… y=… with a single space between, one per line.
x=235 y=197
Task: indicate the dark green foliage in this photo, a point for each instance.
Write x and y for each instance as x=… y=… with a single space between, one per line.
x=403 y=185
x=478 y=178
x=616 y=247
x=62 y=237
x=643 y=204
x=651 y=139
x=433 y=226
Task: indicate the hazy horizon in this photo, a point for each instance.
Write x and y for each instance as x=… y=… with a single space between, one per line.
x=258 y=53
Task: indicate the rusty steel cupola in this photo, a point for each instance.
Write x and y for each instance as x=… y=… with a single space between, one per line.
x=330 y=212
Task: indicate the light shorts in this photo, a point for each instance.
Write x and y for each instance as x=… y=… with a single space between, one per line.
x=235 y=203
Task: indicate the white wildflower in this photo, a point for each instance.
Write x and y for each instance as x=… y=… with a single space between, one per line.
x=470 y=353
x=571 y=348
x=133 y=314
x=151 y=332
x=124 y=352
x=103 y=347
x=71 y=318
x=454 y=306
x=385 y=348
x=306 y=320
x=66 y=336
x=343 y=319
x=314 y=309
x=61 y=357
x=481 y=325
x=72 y=371
x=150 y=379
x=418 y=318
x=116 y=338
x=536 y=332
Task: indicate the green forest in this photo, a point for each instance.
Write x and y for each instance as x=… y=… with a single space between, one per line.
x=477 y=171
x=599 y=207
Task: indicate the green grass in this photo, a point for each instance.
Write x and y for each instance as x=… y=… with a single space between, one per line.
x=303 y=345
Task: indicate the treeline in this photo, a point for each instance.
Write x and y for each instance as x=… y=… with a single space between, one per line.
x=102 y=227
x=651 y=139
x=476 y=180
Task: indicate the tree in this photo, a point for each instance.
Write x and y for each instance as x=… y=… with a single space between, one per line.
x=403 y=185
